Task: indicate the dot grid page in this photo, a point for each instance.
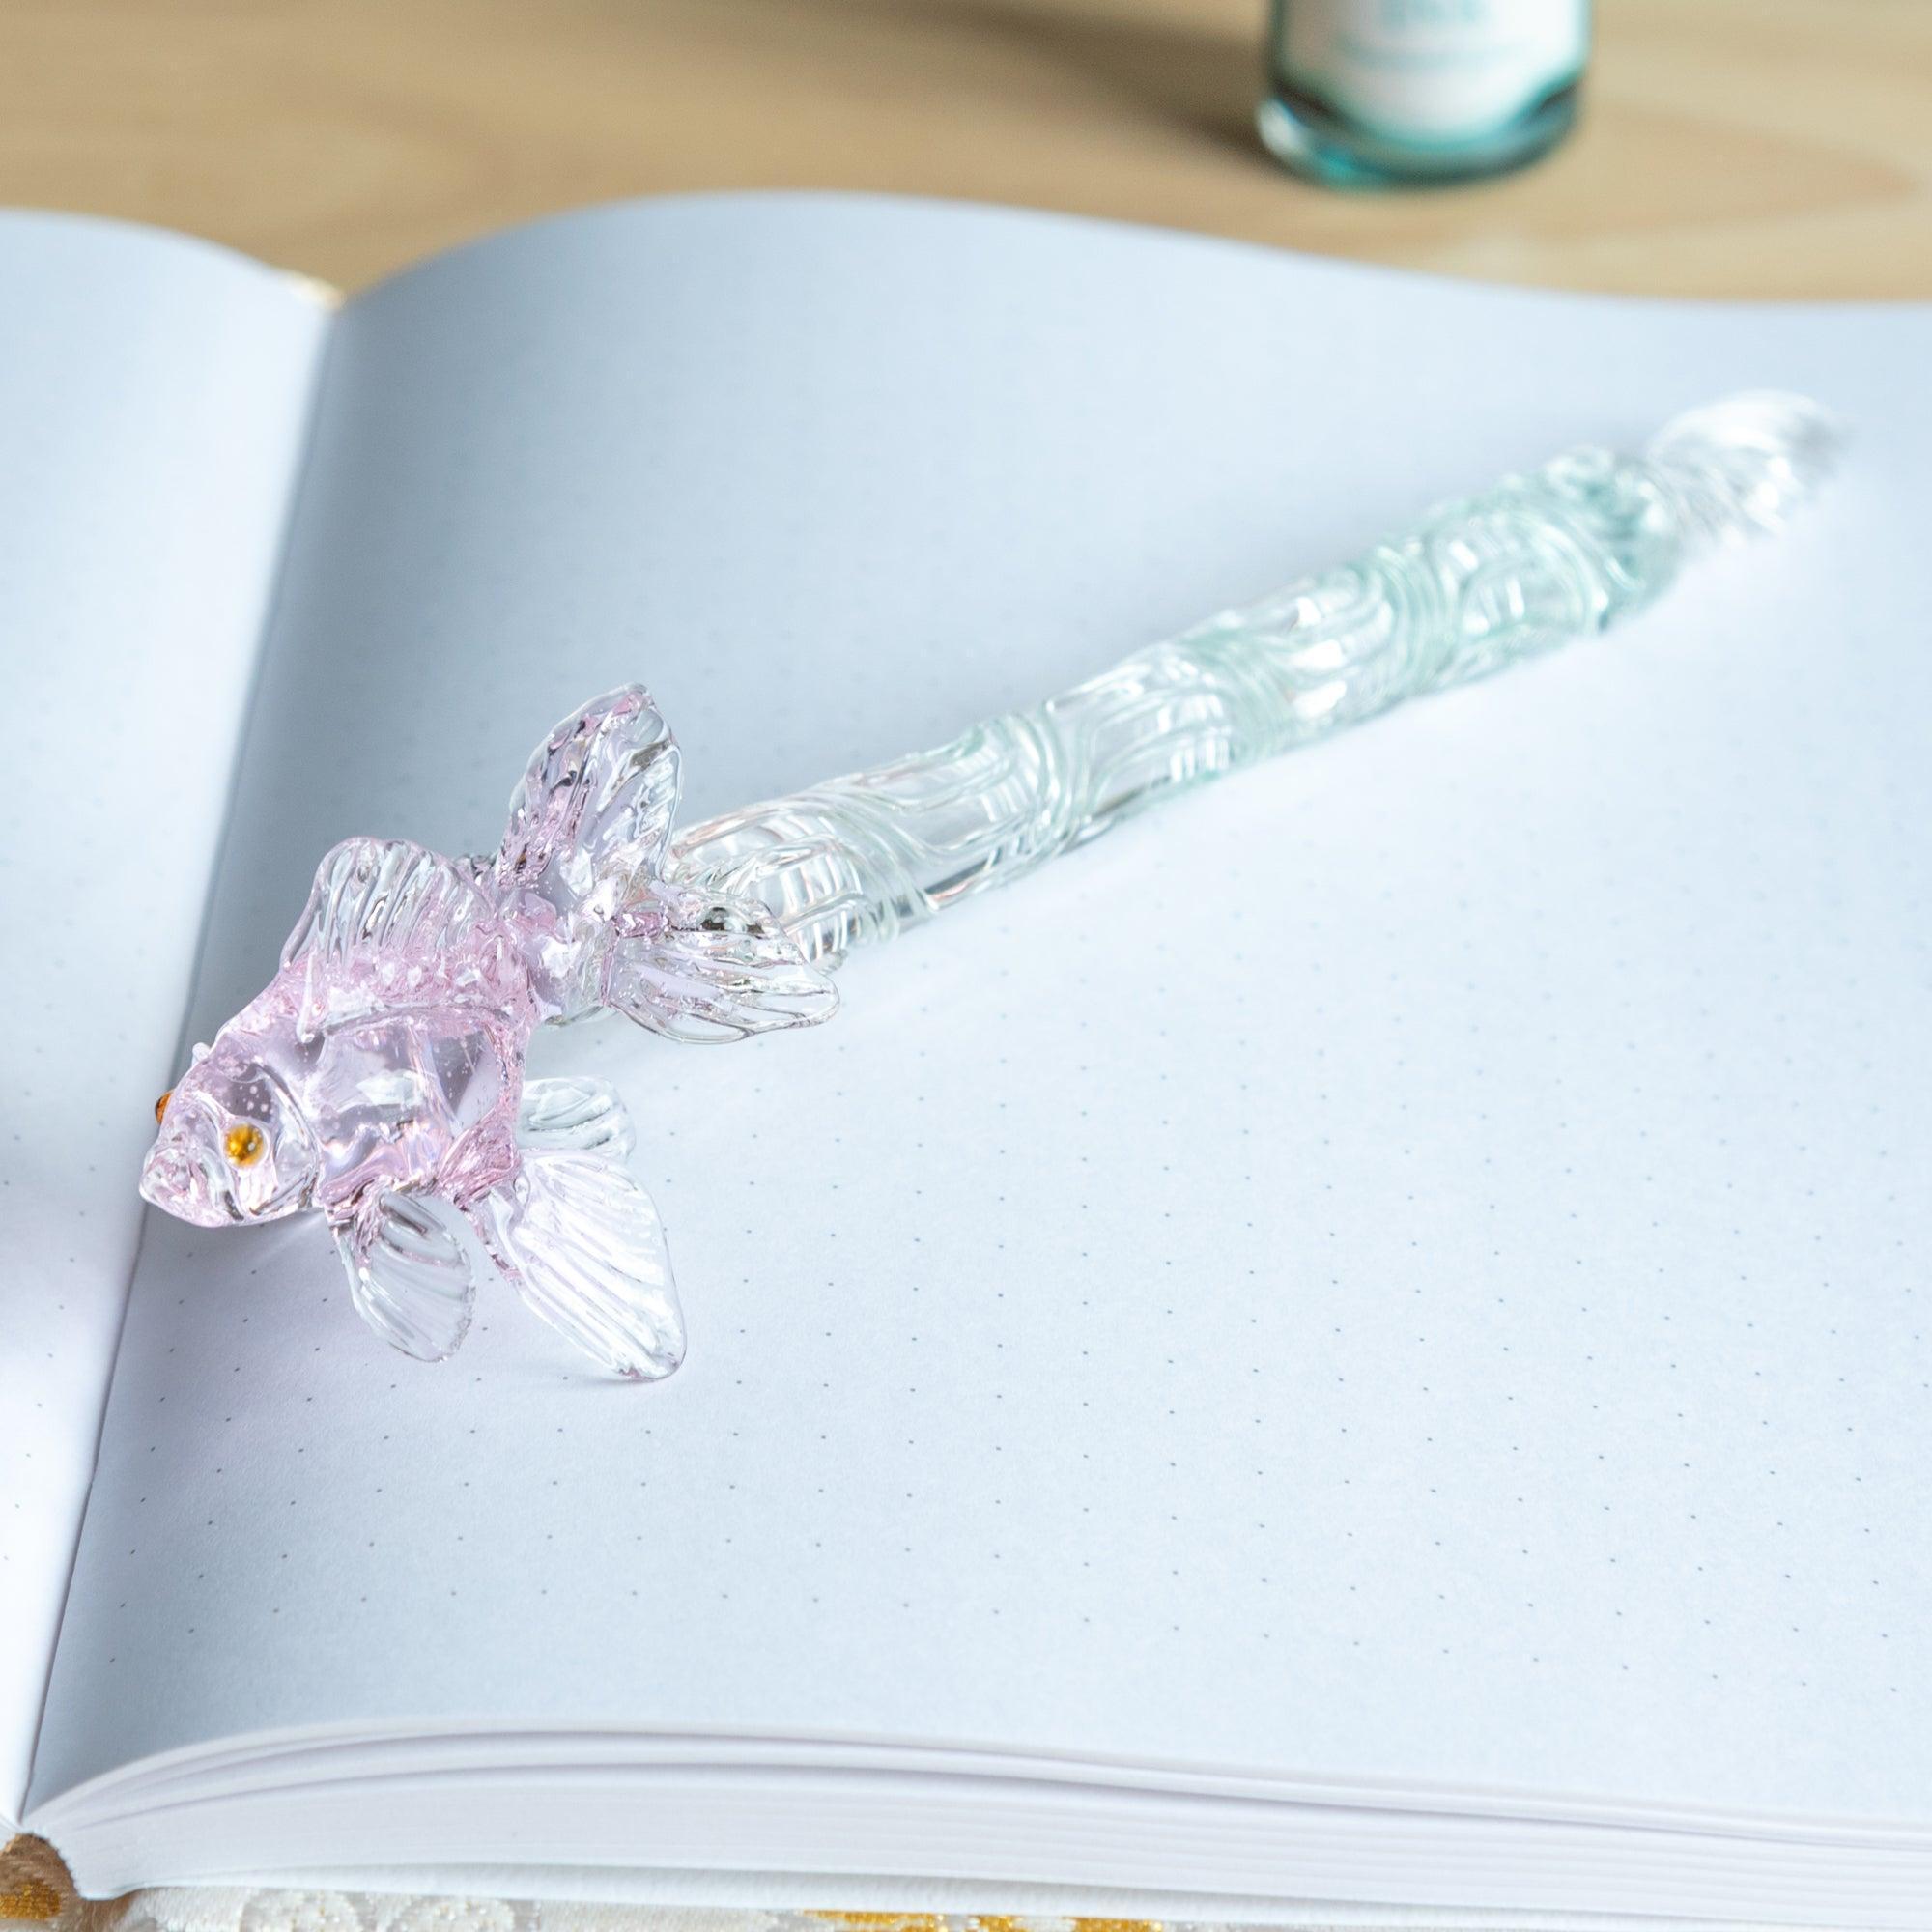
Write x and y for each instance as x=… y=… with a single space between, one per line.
x=1407 y=1264
x=154 y=393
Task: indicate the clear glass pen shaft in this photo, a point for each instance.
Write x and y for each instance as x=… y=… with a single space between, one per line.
x=1478 y=584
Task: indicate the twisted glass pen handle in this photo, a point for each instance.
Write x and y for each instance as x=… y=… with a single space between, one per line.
x=1568 y=549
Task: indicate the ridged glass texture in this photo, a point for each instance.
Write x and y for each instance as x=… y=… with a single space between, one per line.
x=378 y=1080
x=1481 y=582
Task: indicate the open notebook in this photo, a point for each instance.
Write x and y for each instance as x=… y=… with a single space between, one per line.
x=1362 y=1342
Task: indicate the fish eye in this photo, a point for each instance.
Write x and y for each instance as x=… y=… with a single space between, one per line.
x=244 y=1145
x=161 y=1105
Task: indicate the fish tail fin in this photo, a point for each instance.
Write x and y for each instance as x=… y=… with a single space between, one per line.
x=696 y=965
x=590 y=834
x=593 y=810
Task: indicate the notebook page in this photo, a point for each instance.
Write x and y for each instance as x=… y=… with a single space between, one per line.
x=1405 y=1265
x=152 y=392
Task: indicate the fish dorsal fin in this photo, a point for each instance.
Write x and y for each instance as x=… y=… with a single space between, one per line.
x=413 y=1264
x=383 y=895
x=595 y=804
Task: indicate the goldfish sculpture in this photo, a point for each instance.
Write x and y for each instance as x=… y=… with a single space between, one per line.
x=378 y=1077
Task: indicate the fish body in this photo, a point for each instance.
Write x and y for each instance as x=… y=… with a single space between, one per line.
x=378 y=1078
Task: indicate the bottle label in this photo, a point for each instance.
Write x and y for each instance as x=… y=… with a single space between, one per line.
x=1432 y=69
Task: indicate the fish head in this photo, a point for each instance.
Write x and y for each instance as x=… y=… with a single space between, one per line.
x=234 y=1146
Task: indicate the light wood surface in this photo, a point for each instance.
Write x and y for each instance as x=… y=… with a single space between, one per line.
x=1731 y=147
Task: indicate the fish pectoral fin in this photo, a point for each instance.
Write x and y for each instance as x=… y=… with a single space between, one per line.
x=414 y=1263
x=703 y=967
x=574 y=1115
x=584 y=1246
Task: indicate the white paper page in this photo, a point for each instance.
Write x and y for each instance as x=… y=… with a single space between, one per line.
x=1407 y=1265
x=153 y=391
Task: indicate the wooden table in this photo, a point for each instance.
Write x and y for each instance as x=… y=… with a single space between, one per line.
x=1731 y=147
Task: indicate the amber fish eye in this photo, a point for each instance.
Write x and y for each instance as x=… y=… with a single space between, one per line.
x=161 y=1105
x=244 y=1145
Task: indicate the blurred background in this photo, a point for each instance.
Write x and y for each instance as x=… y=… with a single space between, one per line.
x=1727 y=147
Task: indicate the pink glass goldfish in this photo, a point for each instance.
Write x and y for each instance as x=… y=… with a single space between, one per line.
x=378 y=1077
